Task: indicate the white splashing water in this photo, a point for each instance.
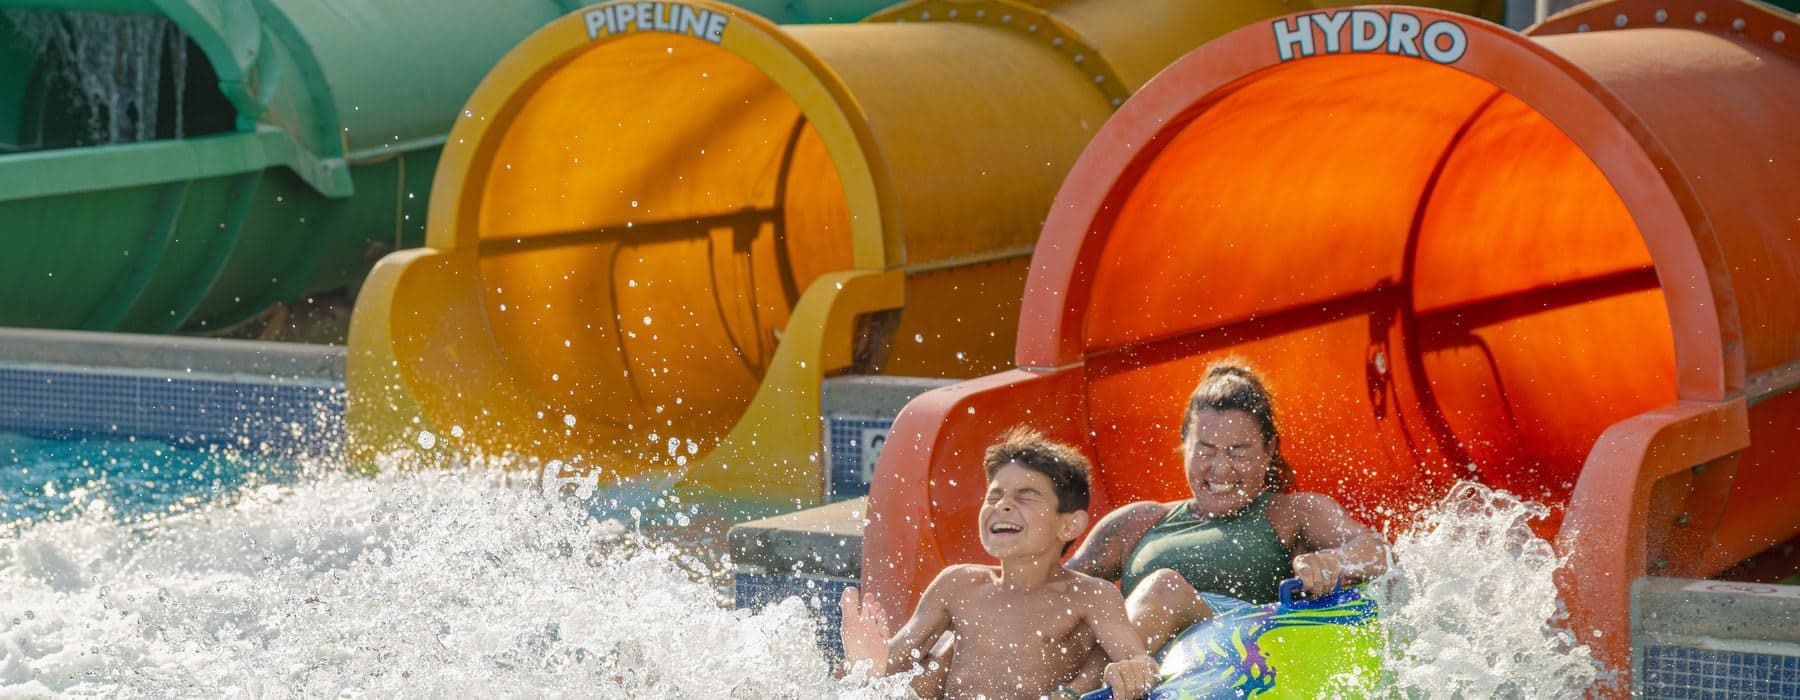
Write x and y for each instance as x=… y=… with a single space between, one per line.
x=444 y=582
x=429 y=583
x=1470 y=607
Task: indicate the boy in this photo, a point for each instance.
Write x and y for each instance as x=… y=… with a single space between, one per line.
x=1022 y=629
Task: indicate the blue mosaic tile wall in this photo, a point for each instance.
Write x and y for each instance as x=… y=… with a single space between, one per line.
x=1685 y=672
x=293 y=418
x=844 y=451
x=753 y=591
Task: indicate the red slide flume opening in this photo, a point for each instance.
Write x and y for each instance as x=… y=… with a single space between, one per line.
x=1562 y=265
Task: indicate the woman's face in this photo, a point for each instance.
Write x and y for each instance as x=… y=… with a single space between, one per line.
x=1227 y=461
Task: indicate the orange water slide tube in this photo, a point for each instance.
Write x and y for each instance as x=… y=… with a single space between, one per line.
x=1565 y=263
x=656 y=227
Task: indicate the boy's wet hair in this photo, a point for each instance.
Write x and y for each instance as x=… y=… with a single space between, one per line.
x=1065 y=466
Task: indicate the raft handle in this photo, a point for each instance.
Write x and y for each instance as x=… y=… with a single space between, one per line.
x=1291 y=588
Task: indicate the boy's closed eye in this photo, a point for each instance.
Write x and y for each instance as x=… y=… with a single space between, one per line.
x=1021 y=496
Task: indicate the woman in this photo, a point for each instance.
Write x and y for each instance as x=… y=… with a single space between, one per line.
x=1242 y=533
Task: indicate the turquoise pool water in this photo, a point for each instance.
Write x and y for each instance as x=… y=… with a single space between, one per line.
x=45 y=479
x=134 y=569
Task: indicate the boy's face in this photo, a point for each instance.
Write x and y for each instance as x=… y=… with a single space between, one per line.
x=1019 y=516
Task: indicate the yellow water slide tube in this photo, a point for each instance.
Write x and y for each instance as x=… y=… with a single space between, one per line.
x=657 y=227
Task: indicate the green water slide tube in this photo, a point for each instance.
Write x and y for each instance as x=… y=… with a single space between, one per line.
x=180 y=165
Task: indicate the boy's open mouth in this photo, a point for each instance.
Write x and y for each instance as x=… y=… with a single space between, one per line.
x=1005 y=528
x=1221 y=488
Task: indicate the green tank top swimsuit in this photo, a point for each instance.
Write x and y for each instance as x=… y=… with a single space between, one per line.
x=1237 y=555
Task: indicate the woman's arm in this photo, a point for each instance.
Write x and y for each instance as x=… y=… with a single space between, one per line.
x=1334 y=545
x=1102 y=554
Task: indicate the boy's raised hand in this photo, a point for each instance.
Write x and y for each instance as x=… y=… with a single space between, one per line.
x=864 y=631
x=1132 y=678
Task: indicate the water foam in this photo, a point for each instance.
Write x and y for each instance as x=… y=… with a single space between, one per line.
x=410 y=583
x=442 y=582
x=1470 y=606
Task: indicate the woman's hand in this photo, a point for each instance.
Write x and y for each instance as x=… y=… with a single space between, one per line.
x=1320 y=572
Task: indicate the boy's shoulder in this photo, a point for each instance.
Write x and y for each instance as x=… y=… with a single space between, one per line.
x=967 y=574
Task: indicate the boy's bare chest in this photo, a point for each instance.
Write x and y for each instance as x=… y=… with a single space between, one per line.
x=1019 y=622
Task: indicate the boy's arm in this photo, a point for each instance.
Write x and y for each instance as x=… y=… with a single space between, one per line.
x=1132 y=672
x=865 y=628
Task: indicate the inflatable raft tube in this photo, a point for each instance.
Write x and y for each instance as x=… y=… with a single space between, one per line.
x=1294 y=648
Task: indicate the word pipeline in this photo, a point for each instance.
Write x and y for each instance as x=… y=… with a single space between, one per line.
x=1368 y=31
x=667 y=17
